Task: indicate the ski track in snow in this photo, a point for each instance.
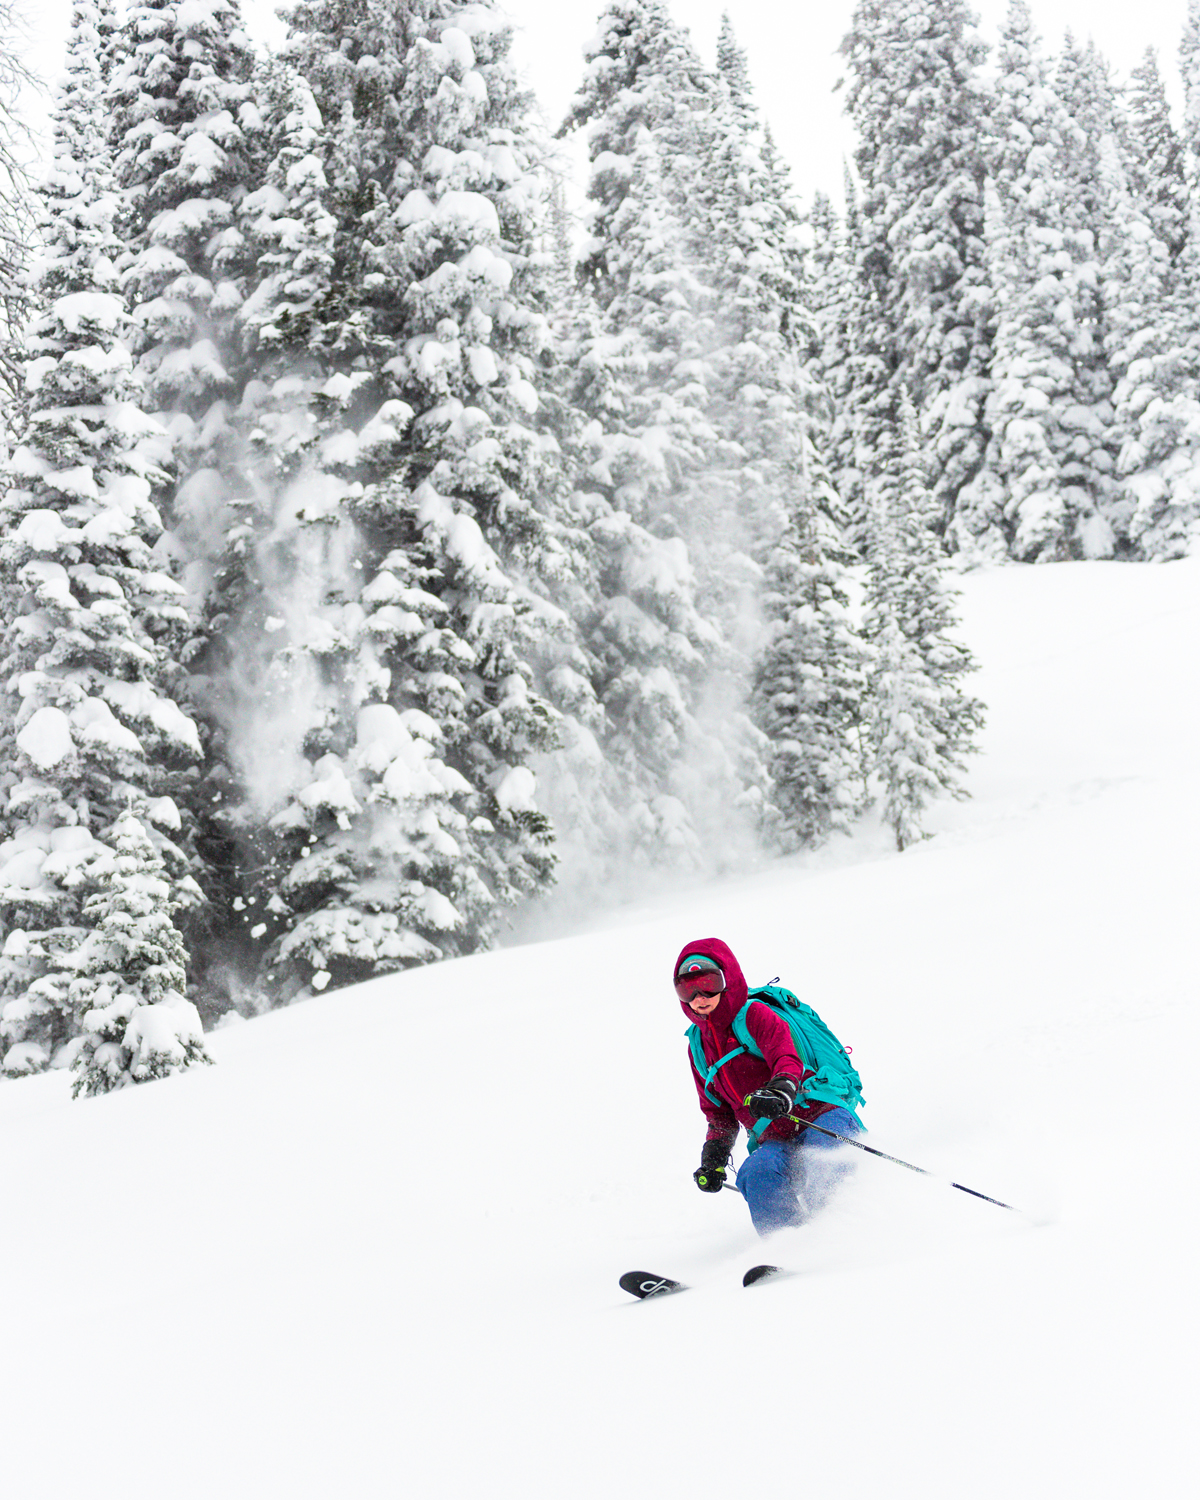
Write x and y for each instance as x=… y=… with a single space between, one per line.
x=307 y=1271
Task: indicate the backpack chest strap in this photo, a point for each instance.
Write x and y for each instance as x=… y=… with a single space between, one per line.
x=716 y=1068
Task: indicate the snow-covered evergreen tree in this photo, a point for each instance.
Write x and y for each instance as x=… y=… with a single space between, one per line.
x=398 y=627
x=921 y=315
x=91 y=620
x=1135 y=277
x=921 y=724
x=643 y=366
x=182 y=124
x=289 y=234
x=1189 y=70
x=186 y=137
x=1041 y=268
x=1156 y=159
x=773 y=415
x=1084 y=83
x=810 y=679
x=766 y=399
x=15 y=212
x=830 y=296
x=264 y=430
x=135 y=1023
x=854 y=352
x=1159 y=399
x=671 y=565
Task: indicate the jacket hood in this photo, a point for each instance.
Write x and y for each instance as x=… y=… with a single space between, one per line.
x=736 y=989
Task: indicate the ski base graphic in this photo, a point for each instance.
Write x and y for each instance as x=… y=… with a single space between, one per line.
x=645 y=1284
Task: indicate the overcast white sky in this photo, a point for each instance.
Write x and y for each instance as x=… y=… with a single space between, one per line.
x=792 y=47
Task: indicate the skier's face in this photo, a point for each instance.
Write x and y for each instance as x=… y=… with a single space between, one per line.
x=704 y=1005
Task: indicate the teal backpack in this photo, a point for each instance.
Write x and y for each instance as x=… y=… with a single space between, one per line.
x=835 y=1080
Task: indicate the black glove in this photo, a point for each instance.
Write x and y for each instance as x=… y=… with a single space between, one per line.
x=775 y=1098
x=709 y=1179
x=709 y=1176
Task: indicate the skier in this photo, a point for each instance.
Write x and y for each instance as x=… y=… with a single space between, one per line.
x=794 y=1171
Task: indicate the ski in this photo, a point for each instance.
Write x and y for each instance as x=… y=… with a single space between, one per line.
x=763 y=1273
x=645 y=1284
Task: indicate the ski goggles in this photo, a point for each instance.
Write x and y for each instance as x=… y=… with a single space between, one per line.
x=699 y=976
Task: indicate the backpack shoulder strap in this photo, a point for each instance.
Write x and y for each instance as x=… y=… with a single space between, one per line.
x=696 y=1048
x=741 y=1028
x=706 y=1070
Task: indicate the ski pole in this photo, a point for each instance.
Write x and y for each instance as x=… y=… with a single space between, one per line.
x=924 y=1171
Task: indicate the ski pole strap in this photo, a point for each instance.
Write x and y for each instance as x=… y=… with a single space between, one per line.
x=924 y=1171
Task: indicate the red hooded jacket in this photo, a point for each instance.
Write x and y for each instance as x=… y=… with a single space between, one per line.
x=745 y=1073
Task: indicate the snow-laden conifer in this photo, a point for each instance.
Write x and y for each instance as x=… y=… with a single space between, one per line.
x=266 y=428
x=185 y=133
x=831 y=299
x=854 y=357
x=91 y=617
x=1135 y=277
x=182 y=124
x=921 y=318
x=1159 y=399
x=283 y=412
x=1189 y=71
x=766 y=399
x=673 y=546
x=1084 y=83
x=772 y=412
x=644 y=368
x=1041 y=267
x=135 y=1023
x=1156 y=160
x=591 y=793
x=733 y=65
x=396 y=644
x=810 y=676
x=289 y=233
x=15 y=209
x=921 y=724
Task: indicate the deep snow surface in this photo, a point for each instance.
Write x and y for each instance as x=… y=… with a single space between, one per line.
x=374 y=1251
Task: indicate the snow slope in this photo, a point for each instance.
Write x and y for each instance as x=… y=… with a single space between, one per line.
x=374 y=1251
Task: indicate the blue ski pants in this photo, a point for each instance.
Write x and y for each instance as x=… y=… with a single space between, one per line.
x=786 y=1182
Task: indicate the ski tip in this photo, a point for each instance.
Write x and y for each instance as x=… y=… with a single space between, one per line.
x=645 y=1284
x=762 y=1273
